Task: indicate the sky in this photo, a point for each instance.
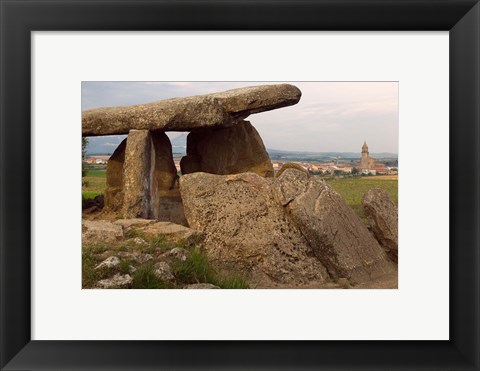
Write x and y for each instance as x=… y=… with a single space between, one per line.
x=330 y=117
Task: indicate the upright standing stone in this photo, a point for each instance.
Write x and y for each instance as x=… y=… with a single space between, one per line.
x=114 y=191
x=139 y=164
x=142 y=178
x=232 y=150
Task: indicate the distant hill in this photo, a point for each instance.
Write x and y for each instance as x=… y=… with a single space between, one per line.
x=276 y=153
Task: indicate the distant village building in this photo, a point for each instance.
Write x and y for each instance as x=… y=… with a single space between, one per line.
x=98 y=160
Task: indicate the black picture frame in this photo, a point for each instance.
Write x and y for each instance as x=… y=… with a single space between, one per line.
x=18 y=18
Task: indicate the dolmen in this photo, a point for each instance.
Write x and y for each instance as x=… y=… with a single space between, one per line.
x=142 y=180
x=291 y=230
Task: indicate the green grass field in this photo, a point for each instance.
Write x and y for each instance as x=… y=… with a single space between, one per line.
x=94 y=183
x=353 y=189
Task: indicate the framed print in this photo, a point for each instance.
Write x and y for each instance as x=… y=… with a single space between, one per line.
x=390 y=89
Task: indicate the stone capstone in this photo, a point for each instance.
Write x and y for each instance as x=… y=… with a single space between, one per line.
x=190 y=113
x=382 y=215
x=336 y=234
x=247 y=231
x=232 y=150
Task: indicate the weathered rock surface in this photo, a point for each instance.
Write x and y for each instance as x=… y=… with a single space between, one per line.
x=337 y=235
x=247 y=231
x=140 y=185
x=114 y=190
x=382 y=215
x=116 y=282
x=173 y=231
x=291 y=165
x=133 y=223
x=162 y=270
x=110 y=262
x=201 y=286
x=177 y=253
x=191 y=113
x=101 y=230
x=232 y=150
x=136 y=175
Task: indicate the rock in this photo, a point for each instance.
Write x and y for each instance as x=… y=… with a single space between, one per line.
x=201 y=286
x=132 y=269
x=114 y=190
x=127 y=254
x=143 y=258
x=116 y=282
x=291 y=165
x=110 y=262
x=344 y=283
x=136 y=175
x=173 y=232
x=337 y=235
x=190 y=164
x=101 y=230
x=90 y=210
x=232 y=150
x=178 y=253
x=140 y=175
x=163 y=271
x=191 y=113
x=247 y=231
x=133 y=223
x=171 y=207
x=382 y=216
x=139 y=241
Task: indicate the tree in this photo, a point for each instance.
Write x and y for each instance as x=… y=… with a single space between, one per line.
x=84 y=156
x=355 y=171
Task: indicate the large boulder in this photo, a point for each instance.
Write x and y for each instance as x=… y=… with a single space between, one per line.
x=232 y=150
x=336 y=234
x=190 y=113
x=247 y=231
x=382 y=215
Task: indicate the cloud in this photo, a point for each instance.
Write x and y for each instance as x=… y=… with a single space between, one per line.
x=107 y=144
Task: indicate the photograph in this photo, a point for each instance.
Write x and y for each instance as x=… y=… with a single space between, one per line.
x=240 y=185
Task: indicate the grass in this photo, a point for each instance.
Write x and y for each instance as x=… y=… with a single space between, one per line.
x=145 y=278
x=95 y=183
x=195 y=269
x=353 y=189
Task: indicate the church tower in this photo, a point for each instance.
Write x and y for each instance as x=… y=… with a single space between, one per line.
x=366 y=162
x=364 y=149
